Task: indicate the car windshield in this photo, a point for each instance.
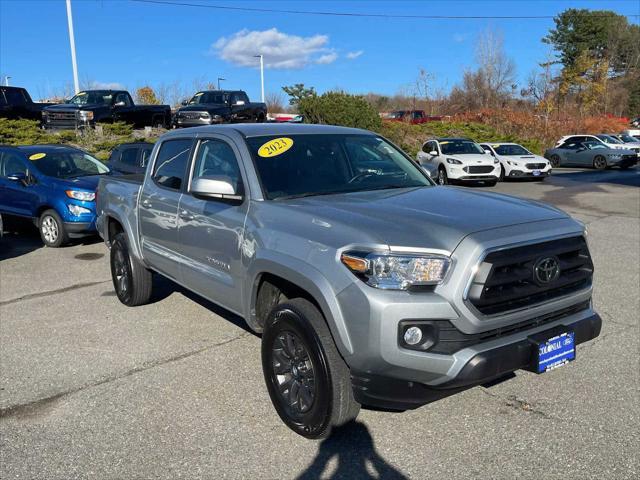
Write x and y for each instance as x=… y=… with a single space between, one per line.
x=207 y=97
x=91 y=98
x=459 y=147
x=321 y=164
x=512 y=150
x=608 y=139
x=65 y=163
x=628 y=139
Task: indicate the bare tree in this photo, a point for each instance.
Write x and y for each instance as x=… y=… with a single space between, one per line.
x=496 y=69
x=275 y=102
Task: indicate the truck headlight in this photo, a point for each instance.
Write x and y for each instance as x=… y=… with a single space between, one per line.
x=453 y=161
x=395 y=271
x=86 y=115
x=81 y=195
x=77 y=210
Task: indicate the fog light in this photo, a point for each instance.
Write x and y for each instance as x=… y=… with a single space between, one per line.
x=413 y=336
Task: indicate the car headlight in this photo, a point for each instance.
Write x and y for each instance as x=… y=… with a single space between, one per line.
x=395 y=271
x=453 y=161
x=86 y=115
x=81 y=195
x=77 y=210
x=614 y=155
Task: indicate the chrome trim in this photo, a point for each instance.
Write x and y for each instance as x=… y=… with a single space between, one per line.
x=476 y=267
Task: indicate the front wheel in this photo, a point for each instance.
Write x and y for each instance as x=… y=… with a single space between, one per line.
x=131 y=280
x=600 y=162
x=307 y=379
x=442 y=176
x=52 y=231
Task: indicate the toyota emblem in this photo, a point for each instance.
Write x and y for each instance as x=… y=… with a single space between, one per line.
x=546 y=270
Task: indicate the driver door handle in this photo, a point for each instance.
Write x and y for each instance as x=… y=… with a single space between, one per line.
x=146 y=203
x=186 y=216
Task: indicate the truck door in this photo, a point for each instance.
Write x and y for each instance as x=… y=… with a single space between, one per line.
x=158 y=209
x=239 y=107
x=124 y=110
x=211 y=231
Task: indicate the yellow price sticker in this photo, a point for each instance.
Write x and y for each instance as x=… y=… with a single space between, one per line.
x=37 y=156
x=275 y=147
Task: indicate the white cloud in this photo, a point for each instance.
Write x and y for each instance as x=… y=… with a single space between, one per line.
x=280 y=50
x=460 y=37
x=356 y=54
x=95 y=85
x=327 y=58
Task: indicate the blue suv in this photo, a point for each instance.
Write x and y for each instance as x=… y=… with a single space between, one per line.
x=53 y=185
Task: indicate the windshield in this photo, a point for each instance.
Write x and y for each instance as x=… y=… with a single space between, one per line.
x=207 y=97
x=628 y=139
x=459 y=147
x=608 y=139
x=512 y=150
x=91 y=98
x=321 y=164
x=66 y=163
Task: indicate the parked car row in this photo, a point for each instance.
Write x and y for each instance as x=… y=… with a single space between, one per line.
x=598 y=151
x=89 y=107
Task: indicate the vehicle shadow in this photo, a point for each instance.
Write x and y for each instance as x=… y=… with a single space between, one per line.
x=163 y=288
x=18 y=240
x=354 y=450
x=629 y=178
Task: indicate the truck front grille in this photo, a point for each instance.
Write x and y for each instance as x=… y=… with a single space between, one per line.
x=520 y=277
x=191 y=115
x=478 y=169
x=61 y=119
x=535 y=166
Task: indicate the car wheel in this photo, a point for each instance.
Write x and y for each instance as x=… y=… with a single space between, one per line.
x=131 y=280
x=308 y=381
x=52 y=229
x=600 y=162
x=260 y=118
x=555 y=161
x=442 y=176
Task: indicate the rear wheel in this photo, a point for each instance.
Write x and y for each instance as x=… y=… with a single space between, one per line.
x=555 y=161
x=600 y=162
x=442 y=176
x=52 y=229
x=308 y=381
x=131 y=280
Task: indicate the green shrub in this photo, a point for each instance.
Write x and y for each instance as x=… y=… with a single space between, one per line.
x=338 y=108
x=117 y=128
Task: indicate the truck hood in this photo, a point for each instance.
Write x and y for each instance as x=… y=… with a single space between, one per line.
x=68 y=107
x=429 y=217
x=472 y=158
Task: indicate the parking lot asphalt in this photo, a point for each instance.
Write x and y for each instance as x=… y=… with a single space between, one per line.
x=92 y=389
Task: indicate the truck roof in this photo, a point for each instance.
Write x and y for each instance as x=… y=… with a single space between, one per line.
x=263 y=129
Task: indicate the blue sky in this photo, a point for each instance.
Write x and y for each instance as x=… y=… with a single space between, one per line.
x=132 y=44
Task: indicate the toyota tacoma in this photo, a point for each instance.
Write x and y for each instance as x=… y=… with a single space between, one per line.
x=369 y=284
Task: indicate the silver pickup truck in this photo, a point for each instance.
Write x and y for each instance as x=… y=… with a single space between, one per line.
x=369 y=284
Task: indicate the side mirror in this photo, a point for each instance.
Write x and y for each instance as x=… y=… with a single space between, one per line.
x=184 y=103
x=19 y=177
x=433 y=153
x=214 y=187
x=119 y=104
x=239 y=103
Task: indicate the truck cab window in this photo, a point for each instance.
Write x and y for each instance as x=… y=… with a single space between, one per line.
x=171 y=164
x=122 y=98
x=215 y=158
x=129 y=156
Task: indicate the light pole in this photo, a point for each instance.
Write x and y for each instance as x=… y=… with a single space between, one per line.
x=72 y=41
x=261 y=75
x=219 y=80
x=6 y=80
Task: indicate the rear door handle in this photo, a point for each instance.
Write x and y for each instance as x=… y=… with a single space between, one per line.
x=146 y=203
x=186 y=216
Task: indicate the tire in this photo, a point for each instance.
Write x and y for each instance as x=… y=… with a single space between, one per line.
x=260 y=118
x=51 y=228
x=599 y=162
x=298 y=356
x=555 y=161
x=442 y=178
x=131 y=280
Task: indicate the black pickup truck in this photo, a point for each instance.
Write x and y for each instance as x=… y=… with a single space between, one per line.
x=15 y=102
x=89 y=107
x=219 y=106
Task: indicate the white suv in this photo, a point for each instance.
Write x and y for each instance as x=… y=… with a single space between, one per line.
x=458 y=160
x=518 y=162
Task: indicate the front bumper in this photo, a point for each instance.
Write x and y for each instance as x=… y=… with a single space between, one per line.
x=78 y=229
x=488 y=365
x=459 y=173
